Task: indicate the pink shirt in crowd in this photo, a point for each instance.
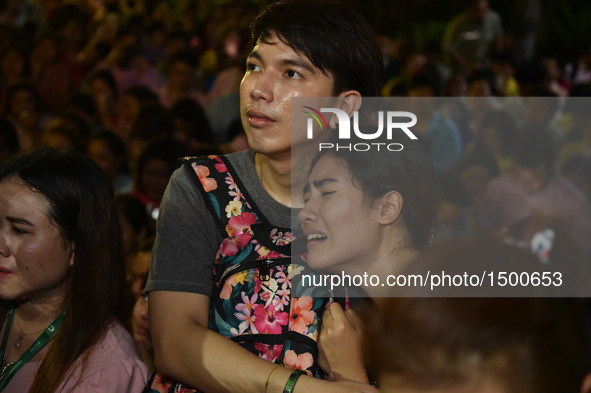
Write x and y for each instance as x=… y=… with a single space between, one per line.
x=114 y=366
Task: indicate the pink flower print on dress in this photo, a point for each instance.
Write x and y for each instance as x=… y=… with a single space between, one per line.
x=220 y=165
x=281 y=299
x=269 y=352
x=283 y=278
x=247 y=322
x=301 y=314
x=187 y=390
x=238 y=229
x=240 y=225
x=268 y=320
x=298 y=362
x=229 y=247
x=281 y=238
x=230 y=182
x=237 y=194
x=202 y=172
x=249 y=304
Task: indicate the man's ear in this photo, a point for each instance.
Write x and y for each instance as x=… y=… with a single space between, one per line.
x=348 y=101
x=390 y=207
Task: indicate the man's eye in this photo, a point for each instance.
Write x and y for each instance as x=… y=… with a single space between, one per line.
x=252 y=67
x=293 y=74
x=325 y=193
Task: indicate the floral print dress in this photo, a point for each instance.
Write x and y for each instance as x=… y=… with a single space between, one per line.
x=256 y=302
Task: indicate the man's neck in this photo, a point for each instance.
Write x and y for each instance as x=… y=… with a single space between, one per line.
x=281 y=177
x=275 y=177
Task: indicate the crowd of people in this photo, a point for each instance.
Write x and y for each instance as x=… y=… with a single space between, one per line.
x=504 y=134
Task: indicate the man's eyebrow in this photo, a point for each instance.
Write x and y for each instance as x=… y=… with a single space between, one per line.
x=18 y=220
x=256 y=55
x=299 y=63
x=289 y=62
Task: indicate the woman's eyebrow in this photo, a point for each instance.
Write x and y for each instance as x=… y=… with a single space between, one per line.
x=321 y=182
x=18 y=220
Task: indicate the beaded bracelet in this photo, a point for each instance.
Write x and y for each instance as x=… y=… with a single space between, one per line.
x=291 y=381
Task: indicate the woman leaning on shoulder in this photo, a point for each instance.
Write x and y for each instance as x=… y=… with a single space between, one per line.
x=61 y=279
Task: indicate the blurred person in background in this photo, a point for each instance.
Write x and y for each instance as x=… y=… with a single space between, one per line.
x=153 y=169
x=477 y=169
x=107 y=149
x=51 y=76
x=140 y=318
x=129 y=107
x=153 y=120
x=181 y=82
x=191 y=126
x=103 y=89
x=22 y=109
x=472 y=36
x=14 y=66
x=63 y=133
x=533 y=188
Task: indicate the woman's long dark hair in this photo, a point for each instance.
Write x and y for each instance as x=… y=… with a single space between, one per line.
x=83 y=207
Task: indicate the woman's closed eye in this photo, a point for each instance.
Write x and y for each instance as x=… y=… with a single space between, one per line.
x=19 y=231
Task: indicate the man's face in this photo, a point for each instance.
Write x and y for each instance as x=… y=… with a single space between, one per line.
x=531 y=179
x=274 y=74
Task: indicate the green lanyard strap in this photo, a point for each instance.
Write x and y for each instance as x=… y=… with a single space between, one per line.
x=41 y=342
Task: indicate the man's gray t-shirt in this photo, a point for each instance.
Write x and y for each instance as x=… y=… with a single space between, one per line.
x=188 y=237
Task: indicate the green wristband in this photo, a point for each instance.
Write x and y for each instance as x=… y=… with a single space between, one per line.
x=291 y=381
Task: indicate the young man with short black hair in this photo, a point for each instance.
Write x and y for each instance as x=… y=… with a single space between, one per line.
x=302 y=48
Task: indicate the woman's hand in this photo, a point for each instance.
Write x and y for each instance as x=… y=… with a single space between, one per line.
x=340 y=344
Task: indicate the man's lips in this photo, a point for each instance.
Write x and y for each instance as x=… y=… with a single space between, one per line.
x=259 y=119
